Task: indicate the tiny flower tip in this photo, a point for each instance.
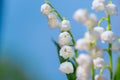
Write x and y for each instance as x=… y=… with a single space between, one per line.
x=64 y=18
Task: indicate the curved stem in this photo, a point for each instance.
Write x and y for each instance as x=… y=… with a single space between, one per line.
x=102 y=70
x=61 y=18
x=101 y=20
x=55 y=11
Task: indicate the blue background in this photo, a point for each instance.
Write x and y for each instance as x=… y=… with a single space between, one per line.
x=26 y=36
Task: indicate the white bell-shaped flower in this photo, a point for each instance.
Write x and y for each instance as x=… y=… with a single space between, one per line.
x=96 y=52
x=92 y=36
x=111 y=9
x=65 y=25
x=107 y=36
x=51 y=16
x=99 y=63
x=82 y=73
x=66 y=52
x=91 y=21
x=64 y=38
x=82 y=44
x=54 y=23
x=80 y=15
x=98 y=5
x=46 y=9
x=100 y=30
x=100 y=77
x=66 y=67
x=84 y=60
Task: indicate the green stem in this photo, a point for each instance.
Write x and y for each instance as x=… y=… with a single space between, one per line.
x=61 y=18
x=110 y=58
x=75 y=50
x=109 y=27
x=101 y=20
x=55 y=11
x=93 y=72
x=102 y=70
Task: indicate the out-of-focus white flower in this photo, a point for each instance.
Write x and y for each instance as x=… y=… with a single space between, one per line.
x=54 y=23
x=92 y=36
x=80 y=15
x=84 y=60
x=51 y=16
x=111 y=9
x=100 y=77
x=91 y=21
x=100 y=30
x=46 y=9
x=66 y=52
x=98 y=5
x=66 y=67
x=82 y=44
x=99 y=63
x=82 y=73
x=64 y=38
x=116 y=46
x=107 y=36
x=96 y=52
x=65 y=25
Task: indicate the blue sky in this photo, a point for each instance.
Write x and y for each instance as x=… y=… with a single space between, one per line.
x=26 y=37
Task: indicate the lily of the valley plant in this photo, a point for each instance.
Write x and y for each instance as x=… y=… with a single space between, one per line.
x=82 y=58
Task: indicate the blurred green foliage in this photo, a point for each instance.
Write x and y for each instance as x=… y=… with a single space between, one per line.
x=10 y=71
x=117 y=71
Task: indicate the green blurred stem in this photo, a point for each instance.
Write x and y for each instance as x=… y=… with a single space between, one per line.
x=93 y=72
x=109 y=28
x=110 y=58
x=102 y=70
x=61 y=18
x=101 y=20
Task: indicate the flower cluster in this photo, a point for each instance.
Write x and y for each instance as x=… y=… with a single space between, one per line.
x=91 y=56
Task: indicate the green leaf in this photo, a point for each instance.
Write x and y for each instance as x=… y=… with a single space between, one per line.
x=117 y=71
x=71 y=76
